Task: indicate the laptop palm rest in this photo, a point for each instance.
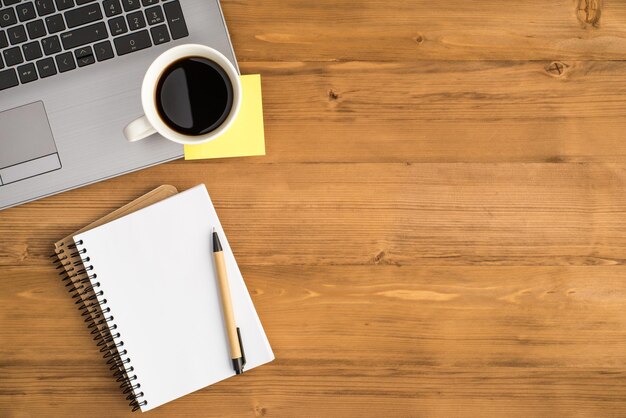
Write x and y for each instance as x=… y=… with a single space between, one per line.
x=27 y=146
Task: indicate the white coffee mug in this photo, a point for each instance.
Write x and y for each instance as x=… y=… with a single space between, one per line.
x=152 y=122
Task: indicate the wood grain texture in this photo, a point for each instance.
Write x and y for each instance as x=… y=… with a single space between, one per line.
x=458 y=111
x=438 y=228
x=395 y=30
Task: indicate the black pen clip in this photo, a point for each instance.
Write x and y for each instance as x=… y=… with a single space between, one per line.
x=243 y=354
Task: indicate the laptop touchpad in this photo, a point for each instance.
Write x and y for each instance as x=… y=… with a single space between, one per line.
x=27 y=147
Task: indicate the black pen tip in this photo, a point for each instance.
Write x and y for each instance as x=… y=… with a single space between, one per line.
x=217 y=245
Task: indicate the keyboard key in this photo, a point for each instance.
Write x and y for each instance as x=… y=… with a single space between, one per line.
x=175 y=20
x=36 y=29
x=51 y=45
x=85 y=35
x=11 y=2
x=27 y=73
x=84 y=56
x=17 y=35
x=104 y=51
x=88 y=60
x=7 y=17
x=83 y=15
x=154 y=15
x=1 y=63
x=65 y=62
x=46 y=67
x=83 y=52
x=64 y=4
x=8 y=78
x=112 y=7
x=4 y=42
x=130 y=5
x=13 y=56
x=118 y=26
x=159 y=34
x=32 y=51
x=26 y=12
x=133 y=42
x=79 y=2
x=136 y=21
x=149 y=2
x=55 y=24
x=44 y=7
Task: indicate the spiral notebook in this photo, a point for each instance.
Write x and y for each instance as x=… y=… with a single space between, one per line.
x=153 y=300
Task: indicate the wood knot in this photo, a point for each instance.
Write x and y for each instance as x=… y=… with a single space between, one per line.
x=259 y=411
x=382 y=259
x=556 y=68
x=378 y=257
x=332 y=96
x=588 y=12
x=419 y=39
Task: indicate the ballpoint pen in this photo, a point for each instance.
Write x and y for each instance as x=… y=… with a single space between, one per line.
x=234 y=334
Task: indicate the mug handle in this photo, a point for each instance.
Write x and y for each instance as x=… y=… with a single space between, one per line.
x=138 y=129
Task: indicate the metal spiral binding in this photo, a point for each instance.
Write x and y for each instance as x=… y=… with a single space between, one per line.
x=98 y=317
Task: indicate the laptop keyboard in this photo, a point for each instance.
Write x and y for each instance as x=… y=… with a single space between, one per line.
x=42 y=38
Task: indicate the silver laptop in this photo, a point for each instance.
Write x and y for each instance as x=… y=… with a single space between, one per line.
x=70 y=79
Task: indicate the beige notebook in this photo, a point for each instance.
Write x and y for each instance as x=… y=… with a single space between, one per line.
x=150 y=275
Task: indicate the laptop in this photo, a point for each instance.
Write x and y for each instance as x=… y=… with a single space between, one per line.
x=70 y=81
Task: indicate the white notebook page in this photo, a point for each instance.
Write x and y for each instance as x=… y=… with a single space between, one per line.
x=155 y=267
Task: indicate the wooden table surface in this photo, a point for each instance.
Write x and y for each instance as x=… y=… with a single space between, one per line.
x=438 y=228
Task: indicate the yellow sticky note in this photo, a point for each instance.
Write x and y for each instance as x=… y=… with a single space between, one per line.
x=245 y=136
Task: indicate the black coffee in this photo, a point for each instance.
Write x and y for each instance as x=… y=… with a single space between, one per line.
x=194 y=96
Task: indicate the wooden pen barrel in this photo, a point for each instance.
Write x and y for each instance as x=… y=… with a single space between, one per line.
x=229 y=316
